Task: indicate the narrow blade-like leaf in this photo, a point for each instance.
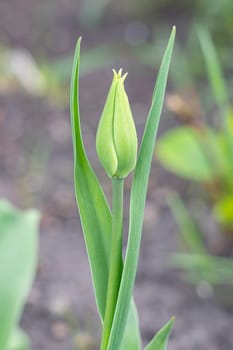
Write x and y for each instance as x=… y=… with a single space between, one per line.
x=132 y=339
x=218 y=84
x=204 y=267
x=159 y=342
x=18 y=258
x=93 y=208
x=214 y=69
x=137 y=200
x=188 y=229
x=19 y=340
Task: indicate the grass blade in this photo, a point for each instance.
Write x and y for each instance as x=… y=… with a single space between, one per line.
x=137 y=201
x=188 y=229
x=204 y=267
x=159 y=342
x=214 y=69
x=218 y=84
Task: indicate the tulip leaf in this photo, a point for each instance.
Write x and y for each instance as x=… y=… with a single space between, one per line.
x=18 y=258
x=159 y=342
x=93 y=208
x=132 y=339
x=181 y=152
x=137 y=200
x=19 y=341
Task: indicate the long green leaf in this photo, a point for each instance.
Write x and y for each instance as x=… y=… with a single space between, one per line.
x=137 y=200
x=218 y=85
x=204 y=267
x=19 y=341
x=214 y=69
x=159 y=342
x=18 y=258
x=132 y=339
x=93 y=208
x=189 y=231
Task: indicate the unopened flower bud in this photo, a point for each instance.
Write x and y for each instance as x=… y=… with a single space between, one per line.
x=116 y=139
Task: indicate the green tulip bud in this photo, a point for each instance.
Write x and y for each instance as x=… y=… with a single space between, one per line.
x=116 y=139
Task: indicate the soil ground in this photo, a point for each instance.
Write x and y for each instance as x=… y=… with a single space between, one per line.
x=36 y=170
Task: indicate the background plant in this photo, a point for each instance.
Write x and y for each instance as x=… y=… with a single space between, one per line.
x=204 y=154
x=18 y=260
x=197 y=262
x=99 y=223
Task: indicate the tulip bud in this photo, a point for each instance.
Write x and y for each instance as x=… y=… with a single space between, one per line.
x=116 y=139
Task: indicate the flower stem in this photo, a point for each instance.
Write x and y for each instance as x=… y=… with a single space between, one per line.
x=115 y=268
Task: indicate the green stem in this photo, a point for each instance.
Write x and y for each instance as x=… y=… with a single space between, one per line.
x=115 y=268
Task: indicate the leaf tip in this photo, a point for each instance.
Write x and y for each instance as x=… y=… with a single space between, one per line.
x=173 y=318
x=78 y=43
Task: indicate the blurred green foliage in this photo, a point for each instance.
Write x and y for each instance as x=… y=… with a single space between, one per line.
x=203 y=153
x=197 y=263
x=19 y=70
x=18 y=259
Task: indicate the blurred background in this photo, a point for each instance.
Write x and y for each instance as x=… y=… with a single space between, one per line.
x=185 y=270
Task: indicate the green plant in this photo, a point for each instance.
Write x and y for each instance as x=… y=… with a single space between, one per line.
x=18 y=258
x=203 y=153
x=197 y=263
x=114 y=277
